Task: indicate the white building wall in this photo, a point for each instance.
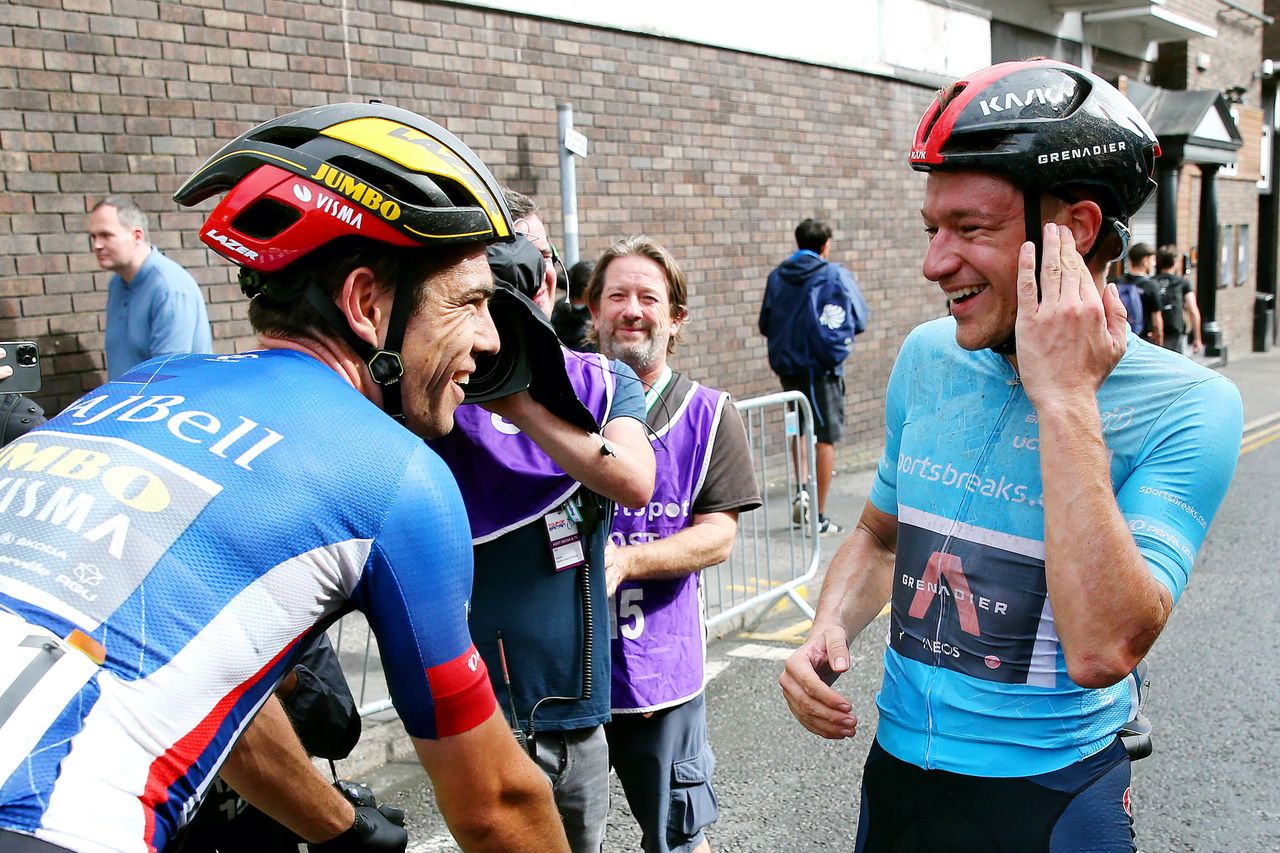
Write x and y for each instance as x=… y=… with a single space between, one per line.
x=894 y=38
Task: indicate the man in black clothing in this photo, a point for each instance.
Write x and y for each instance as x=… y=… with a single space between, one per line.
x=1178 y=302
x=1150 y=326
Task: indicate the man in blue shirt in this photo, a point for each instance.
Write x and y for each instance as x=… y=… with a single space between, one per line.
x=1039 y=503
x=154 y=306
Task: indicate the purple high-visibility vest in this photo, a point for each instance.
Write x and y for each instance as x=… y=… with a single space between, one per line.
x=659 y=642
x=506 y=480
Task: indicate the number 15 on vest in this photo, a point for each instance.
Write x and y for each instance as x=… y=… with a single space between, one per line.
x=625 y=614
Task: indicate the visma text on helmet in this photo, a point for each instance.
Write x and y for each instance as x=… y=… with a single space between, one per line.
x=1086 y=151
x=357 y=191
x=999 y=103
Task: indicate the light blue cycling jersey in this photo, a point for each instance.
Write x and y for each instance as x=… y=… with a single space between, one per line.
x=975 y=680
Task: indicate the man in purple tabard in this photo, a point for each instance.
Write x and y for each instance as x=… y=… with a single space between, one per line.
x=638 y=300
x=537 y=489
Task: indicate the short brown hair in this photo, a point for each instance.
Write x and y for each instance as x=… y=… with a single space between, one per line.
x=282 y=311
x=645 y=247
x=127 y=211
x=1139 y=252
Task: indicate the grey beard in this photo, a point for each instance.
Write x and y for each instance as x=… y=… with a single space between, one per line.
x=640 y=357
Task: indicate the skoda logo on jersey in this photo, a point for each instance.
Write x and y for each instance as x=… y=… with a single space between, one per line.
x=832 y=316
x=88 y=574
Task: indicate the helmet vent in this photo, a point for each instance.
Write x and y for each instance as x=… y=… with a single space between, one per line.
x=389 y=183
x=459 y=195
x=265 y=218
x=945 y=97
x=286 y=136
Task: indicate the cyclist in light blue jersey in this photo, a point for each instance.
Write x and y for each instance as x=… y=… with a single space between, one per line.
x=1046 y=483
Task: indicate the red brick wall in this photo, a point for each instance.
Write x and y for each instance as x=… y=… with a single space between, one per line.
x=715 y=153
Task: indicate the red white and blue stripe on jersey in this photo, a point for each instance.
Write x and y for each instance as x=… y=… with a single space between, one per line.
x=251 y=497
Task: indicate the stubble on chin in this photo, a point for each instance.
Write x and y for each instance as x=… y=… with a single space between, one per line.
x=640 y=356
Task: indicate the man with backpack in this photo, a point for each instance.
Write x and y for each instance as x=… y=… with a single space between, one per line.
x=1140 y=295
x=811 y=312
x=1177 y=302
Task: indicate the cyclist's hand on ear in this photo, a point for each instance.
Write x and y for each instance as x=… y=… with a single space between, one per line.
x=1072 y=337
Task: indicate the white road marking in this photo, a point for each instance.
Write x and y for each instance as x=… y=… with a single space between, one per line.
x=759 y=652
x=715 y=667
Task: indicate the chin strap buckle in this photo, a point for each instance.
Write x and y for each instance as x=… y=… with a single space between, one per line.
x=385 y=367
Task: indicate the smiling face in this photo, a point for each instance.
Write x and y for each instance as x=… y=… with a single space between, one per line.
x=633 y=316
x=441 y=341
x=975 y=226
x=116 y=247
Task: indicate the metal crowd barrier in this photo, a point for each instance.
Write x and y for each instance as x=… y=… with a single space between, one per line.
x=771 y=558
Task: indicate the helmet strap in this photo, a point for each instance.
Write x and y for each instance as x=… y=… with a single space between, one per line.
x=1035 y=234
x=385 y=365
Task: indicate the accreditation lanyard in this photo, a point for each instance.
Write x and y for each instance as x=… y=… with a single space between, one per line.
x=655 y=391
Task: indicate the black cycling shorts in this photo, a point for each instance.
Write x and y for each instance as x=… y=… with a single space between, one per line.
x=1082 y=807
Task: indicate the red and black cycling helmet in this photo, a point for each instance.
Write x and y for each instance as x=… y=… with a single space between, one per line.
x=301 y=181
x=1044 y=126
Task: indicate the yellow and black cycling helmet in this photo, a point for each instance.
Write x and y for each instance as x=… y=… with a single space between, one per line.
x=300 y=181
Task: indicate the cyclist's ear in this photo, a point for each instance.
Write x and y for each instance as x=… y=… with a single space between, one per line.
x=366 y=304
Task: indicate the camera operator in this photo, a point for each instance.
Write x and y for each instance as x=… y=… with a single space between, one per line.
x=537 y=485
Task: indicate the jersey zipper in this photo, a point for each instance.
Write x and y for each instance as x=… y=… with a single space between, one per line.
x=1014 y=383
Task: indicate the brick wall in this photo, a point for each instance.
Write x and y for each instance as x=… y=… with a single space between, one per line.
x=1234 y=54
x=715 y=153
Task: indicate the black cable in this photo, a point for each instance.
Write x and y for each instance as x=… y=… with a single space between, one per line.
x=666 y=410
x=588 y=628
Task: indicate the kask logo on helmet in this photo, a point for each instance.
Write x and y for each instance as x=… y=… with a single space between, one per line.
x=1048 y=95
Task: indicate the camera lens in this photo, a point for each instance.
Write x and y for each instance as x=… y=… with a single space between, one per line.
x=507 y=371
x=27 y=355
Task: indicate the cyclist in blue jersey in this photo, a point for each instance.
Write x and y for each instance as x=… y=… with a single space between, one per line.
x=1046 y=482
x=172 y=539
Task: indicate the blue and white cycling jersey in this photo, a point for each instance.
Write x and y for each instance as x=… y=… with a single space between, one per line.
x=164 y=544
x=975 y=680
